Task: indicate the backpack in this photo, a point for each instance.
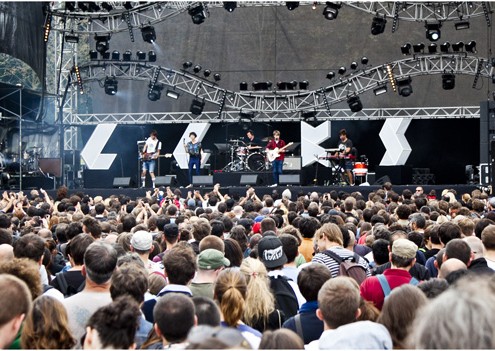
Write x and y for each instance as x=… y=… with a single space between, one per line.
x=386 y=286
x=65 y=288
x=285 y=297
x=349 y=267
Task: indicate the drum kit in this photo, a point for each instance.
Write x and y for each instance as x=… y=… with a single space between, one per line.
x=245 y=158
x=29 y=162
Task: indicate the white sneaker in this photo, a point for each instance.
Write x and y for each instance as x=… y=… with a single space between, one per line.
x=272 y=186
x=189 y=186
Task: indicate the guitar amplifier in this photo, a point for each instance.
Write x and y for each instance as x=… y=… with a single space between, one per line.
x=292 y=163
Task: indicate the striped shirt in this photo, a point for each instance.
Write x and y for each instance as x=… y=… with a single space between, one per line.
x=333 y=265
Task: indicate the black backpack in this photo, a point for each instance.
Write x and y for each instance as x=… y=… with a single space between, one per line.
x=65 y=288
x=349 y=267
x=285 y=297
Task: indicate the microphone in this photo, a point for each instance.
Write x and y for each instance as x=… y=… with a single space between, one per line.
x=184 y=140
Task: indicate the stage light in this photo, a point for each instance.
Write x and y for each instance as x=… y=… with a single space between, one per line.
x=261 y=85
x=418 y=48
x=354 y=65
x=93 y=55
x=355 y=103
x=448 y=81
x=79 y=79
x=115 y=55
x=47 y=27
x=405 y=87
x=105 y=55
x=461 y=25
x=197 y=69
x=457 y=46
x=342 y=70
x=83 y=6
x=378 y=25
x=364 y=60
x=243 y=86
x=433 y=31
x=111 y=85
x=187 y=64
x=470 y=47
x=107 y=6
x=309 y=116
x=71 y=38
x=303 y=85
x=432 y=48
x=197 y=14
x=445 y=47
x=141 y=55
x=406 y=49
x=127 y=55
x=207 y=73
x=331 y=11
x=151 y=56
x=155 y=92
x=102 y=43
x=217 y=77
x=128 y=5
x=246 y=119
x=380 y=90
x=70 y=6
x=172 y=94
x=148 y=33
x=330 y=75
x=292 y=5
x=230 y=5
x=93 y=7
x=391 y=77
x=197 y=106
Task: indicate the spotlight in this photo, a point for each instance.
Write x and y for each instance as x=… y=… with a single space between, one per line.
x=127 y=55
x=380 y=90
x=261 y=85
x=111 y=85
x=470 y=47
x=151 y=56
x=149 y=34
x=102 y=43
x=93 y=7
x=187 y=64
x=331 y=11
x=445 y=47
x=433 y=31
x=342 y=70
x=246 y=119
x=72 y=38
x=303 y=85
x=330 y=75
x=461 y=25
x=83 y=6
x=418 y=48
x=406 y=49
x=309 y=116
x=292 y=5
x=155 y=92
x=107 y=6
x=457 y=46
x=115 y=55
x=197 y=14
x=378 y=25
x=141 y=55
x=70 y=6
x=243 y=86
x=105 y=55
x=432 y=48
x=79 y=79
x=172 y=94
x=128 y=5
x=206 y=73
x=354 y=65
x=364 y=60
x=448 y=81
x=93 y=55
x=355 y=103
x=405 y=87
x=230 y=5
x=197 y=106
x=217 y=77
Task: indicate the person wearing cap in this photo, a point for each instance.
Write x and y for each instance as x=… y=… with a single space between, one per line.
x=210 y=264
x=402 y=258
x=142 y=243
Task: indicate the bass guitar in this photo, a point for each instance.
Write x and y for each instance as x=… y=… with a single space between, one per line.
x=151 y=156
x=271 y=155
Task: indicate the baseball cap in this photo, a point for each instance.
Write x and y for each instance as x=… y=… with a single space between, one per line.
x=142 y=240
x=404 y=248
x=212 y=259
x=271 y=253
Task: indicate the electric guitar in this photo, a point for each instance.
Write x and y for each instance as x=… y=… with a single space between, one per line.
x=271 y=155
x=147 y=156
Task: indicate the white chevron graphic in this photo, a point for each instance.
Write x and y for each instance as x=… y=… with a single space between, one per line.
x=396 y=145
x=92 y=151
x=310 y=138
x=180 y=154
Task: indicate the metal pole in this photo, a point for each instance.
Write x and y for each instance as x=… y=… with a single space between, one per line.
x=20 y=139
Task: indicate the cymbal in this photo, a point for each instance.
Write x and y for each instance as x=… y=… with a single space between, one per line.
x=234 y=141
x=268 y=138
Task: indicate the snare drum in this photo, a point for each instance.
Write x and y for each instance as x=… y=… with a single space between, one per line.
x=241 y=151
x=360 y=168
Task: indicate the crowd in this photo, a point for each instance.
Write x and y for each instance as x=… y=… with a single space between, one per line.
x=284 y=271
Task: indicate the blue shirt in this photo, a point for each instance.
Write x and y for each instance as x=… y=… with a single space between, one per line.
x=312 y=327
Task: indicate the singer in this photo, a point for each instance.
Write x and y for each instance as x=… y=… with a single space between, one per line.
x=195 y=151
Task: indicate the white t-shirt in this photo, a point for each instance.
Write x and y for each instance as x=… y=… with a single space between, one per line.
x=153 y=146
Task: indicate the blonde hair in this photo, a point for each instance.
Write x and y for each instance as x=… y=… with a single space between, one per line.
x=260 y=301
x=230 y=292
x=47 y=326
x=332 y=232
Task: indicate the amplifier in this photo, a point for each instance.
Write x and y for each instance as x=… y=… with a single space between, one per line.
x=292 y=163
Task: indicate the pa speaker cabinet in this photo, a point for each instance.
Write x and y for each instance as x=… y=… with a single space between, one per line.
x=202 y=180
x=292 y=163
x=399 y=175
x=167 y=180
x=289 y=179
x=122 y=182
x=249 y=179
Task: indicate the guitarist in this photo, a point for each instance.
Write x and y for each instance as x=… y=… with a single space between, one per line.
x=275 y=144
x=151 y=150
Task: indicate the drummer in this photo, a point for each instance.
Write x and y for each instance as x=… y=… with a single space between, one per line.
x=253 y=143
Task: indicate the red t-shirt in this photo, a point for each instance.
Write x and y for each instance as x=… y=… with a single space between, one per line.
x=273 y=145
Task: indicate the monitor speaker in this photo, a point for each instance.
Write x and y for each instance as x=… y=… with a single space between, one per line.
x=167 y=180
x=122 y=182
x=289 y=179
x=202 y=180
x=249 y=179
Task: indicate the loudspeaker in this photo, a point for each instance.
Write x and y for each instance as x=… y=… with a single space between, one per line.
x=292 y=163
x=167 y=180
x=51 y=165
x=487 y=129
x=202 y=180
x=249 y=179
x=382 y=180
x=396 y=174
x=122 y=182
x=289 y=179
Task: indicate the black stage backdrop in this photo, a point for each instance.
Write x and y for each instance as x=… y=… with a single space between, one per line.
x=445 y=146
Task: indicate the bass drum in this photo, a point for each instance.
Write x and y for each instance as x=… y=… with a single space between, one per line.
x=256 y=162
